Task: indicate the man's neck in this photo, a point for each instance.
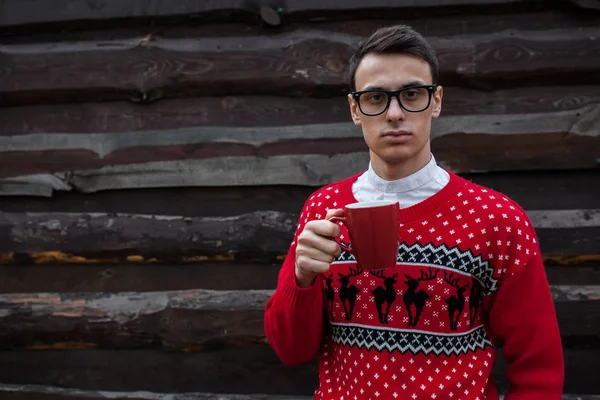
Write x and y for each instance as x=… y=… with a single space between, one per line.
x=392 y=172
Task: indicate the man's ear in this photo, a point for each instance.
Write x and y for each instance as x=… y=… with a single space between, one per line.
x=436 y=102
x=354 y=110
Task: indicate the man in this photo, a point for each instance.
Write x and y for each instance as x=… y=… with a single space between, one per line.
x=469 y=278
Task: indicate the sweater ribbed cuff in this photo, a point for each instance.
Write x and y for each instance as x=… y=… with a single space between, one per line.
x=304 y=298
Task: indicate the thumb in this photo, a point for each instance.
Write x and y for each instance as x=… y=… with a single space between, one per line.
x=334 y=212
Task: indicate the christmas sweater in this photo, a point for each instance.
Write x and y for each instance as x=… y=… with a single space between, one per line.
x=469 y=282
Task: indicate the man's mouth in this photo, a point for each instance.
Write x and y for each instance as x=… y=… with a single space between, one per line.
x=397 y=137
x=397 y=133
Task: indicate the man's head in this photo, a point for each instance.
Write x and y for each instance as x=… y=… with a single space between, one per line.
x=391 y=59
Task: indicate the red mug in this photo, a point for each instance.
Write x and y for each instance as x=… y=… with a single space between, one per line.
x=373 y=228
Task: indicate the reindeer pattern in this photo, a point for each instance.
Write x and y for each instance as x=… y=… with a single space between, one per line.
x=403 y=297
x=415 y=298
x=456 y=303
x=384 y=295
x=348 y=292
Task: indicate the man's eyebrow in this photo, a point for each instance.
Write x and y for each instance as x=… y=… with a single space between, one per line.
x=408 y=84
x=413 y=83
x=375 y=88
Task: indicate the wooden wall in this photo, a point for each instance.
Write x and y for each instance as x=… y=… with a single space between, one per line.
x=154 y=157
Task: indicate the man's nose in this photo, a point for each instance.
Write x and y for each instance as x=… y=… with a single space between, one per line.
x=395 y=112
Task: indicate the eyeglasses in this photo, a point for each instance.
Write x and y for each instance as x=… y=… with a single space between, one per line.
x=411 y=99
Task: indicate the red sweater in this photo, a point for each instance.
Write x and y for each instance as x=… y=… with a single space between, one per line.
x=469 y=278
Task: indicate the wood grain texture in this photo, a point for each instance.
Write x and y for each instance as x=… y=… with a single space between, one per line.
x=264 y=235
x=192 y=320
x=267 y=111
x=254 y=370
x=564 y=247
x=301 y=63
x=33 y=392
x=533 y=190
x=544 y=219
x=580 y=121
x=14 y=12
x=313 y=155
x=439 y=21
x=8 y=188
x=305 y=170
x=186 y=320
x=34 y=185
x=566 y=237
x=38 y=392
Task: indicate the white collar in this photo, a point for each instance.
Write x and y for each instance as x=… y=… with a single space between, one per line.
x=413 y=181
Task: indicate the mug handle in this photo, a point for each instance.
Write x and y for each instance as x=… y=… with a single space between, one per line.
x=342 y=220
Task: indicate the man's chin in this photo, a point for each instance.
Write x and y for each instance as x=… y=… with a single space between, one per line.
x=396 y=157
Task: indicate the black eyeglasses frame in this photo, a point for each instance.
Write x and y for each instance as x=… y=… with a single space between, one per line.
x=395 y=93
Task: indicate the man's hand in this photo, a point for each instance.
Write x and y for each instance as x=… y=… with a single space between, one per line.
x=316 y=248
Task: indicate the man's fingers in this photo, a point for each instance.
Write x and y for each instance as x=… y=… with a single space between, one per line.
x=310 y=239
x=310 y=266
x=324 y=228
x=315 y=254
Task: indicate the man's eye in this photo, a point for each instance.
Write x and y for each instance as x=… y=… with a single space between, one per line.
x=376 y=97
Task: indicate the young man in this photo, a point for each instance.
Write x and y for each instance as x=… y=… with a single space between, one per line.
x=469 y=279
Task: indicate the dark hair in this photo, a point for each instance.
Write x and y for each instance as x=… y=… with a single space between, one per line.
x=400 y=39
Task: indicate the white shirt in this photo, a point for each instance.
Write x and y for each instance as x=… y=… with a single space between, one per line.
x=407 y=191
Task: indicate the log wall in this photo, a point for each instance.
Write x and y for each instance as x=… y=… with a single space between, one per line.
x=154 y=157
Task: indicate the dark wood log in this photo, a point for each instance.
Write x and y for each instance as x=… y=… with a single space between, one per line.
x=533 y=190
x=34 y=185
x=257 y=235
x=587 y=4
x=238 y=111
x=302 y=154
x=556 y=219
x=8 y=188
x=34 y=392
x=578 y=246
x=439 y=21
x=238 y=371
x=40 y=172
x=148 y=277
x=572 y=275
x=305 y=62
x=310 y=5
x=37 y=392
x=194 y=320
x=571 y=189
x=191 y=320
x=15 y=13
x=253 y=370
x=567 y=237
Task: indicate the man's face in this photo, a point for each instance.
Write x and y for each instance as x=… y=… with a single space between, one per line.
x=395 y=136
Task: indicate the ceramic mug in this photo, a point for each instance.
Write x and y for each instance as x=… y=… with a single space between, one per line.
x=373 y=228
